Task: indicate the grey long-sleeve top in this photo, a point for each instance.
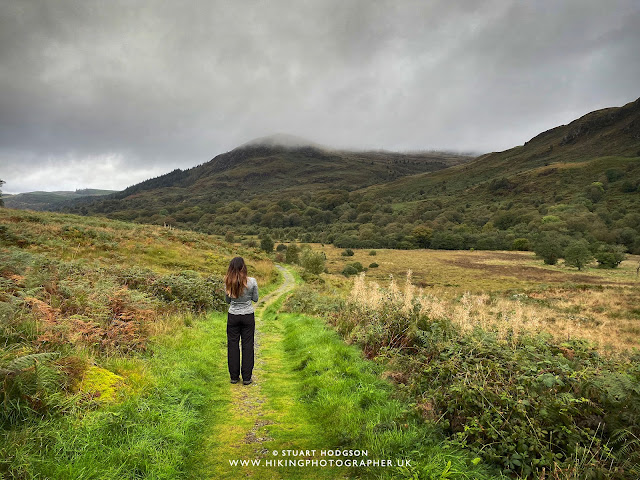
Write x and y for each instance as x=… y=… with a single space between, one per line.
x=242 y=305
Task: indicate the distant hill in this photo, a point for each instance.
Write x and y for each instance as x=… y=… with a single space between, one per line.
x=579 y=152
x=288 y=164
x=274 y=168
x=579 y=181
x=49 y=200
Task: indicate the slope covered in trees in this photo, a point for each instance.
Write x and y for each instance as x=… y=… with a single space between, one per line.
x=575 y=182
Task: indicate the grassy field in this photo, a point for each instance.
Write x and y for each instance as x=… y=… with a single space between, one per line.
x=113 y=360
x=512 y=289
x=124 y=375
x=535 y=372
x=96 y=318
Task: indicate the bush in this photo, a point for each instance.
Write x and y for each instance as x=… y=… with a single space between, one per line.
x=312 y=262
x=549 y=248
x=610 y=256
x=595 y=192
x=281 y=247
x=373 y=253
x=189 y=289
x=347 y=253
x=614 y=174
x=577 y=254
x=28 y=383
x=349 y=270
x=570 y=409
x=373 y=265
x=292 y=254
x=266 y=243
x=358 y=266
x=352 y=269
x=629 y=186
x=521 y=244
x=524 y=403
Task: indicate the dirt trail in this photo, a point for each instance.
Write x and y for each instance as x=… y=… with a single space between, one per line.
x=249 y=401
x=287 y=284
x=261 y=418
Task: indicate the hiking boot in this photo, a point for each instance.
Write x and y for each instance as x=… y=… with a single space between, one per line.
x=247 y=382
x=235 y=380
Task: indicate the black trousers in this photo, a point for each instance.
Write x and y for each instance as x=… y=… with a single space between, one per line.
x=240 y=327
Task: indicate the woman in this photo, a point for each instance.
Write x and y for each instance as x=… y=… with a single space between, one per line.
x=241 y=324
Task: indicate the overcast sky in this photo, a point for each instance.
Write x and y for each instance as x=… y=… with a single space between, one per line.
x=105 y=94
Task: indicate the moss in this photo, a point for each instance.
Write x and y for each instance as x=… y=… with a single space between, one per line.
x=101 y=384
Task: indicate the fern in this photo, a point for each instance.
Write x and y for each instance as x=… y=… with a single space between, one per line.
x=27 y=381
x=20 y=364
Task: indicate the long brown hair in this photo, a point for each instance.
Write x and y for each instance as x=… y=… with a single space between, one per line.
x=235 y=280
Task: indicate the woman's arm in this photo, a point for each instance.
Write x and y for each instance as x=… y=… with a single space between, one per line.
x=254 y=293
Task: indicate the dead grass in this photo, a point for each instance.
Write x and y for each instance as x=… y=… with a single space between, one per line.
x=516 y=294
x=476 y=271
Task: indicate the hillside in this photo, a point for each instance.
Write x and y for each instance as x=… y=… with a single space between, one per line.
x=49 y=200
x=576 y=182
x=266 y=168
x=586 y=147
x=579 y=181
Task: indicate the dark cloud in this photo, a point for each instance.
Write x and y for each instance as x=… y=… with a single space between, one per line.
x=105 y=94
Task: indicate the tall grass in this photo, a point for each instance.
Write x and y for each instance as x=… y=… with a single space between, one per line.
x=149 y=431
x=603 y=316
x=522 y=400
x=79 y=298
x=357 y=409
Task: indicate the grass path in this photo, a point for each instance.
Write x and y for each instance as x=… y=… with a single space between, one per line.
x=251 y=422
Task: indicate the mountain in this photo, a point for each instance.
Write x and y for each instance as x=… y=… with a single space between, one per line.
x=49 y=200
x=575 y=182
x=558 y=160
x=292 y=165
x=267 y=168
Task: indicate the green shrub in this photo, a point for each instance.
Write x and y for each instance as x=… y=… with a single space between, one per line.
x=595 y=192
x=292 y=254
x=352 y=269
x=577 y=254
x=307 y=299
x=523 y=403
x=312 y=262
x=610 y=256
x=614 y=174
x=373 y=265
x=349 y=270
x=347 y=253
x=629 y=186
x=358 y=266
x=521 y=244
x=189 y=289
x=266 y=243
x=9 y=238
x=28 y=384
x=373 y=253
x=549 y=248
